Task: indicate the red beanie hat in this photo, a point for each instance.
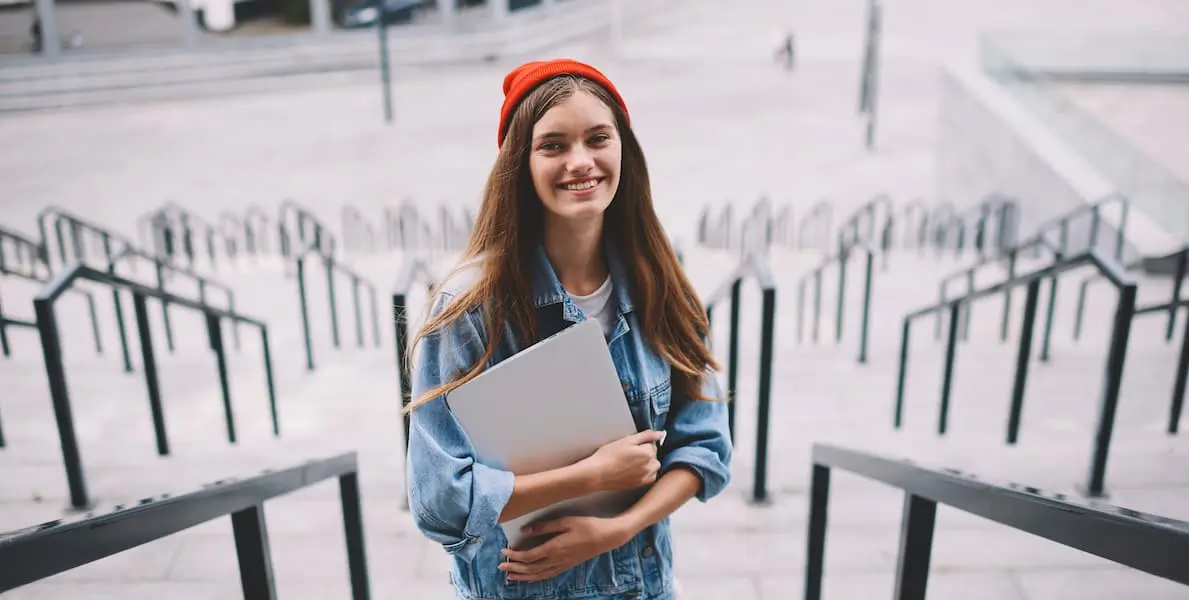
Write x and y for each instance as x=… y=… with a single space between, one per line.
x=523 y=79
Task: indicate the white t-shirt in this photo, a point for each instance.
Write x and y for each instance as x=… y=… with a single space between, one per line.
x=598 y=306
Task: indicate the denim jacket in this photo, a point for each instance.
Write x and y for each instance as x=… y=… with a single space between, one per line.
x=456 y=501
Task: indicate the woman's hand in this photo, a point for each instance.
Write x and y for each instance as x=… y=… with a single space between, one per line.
x=577 y=539
x=627 y=463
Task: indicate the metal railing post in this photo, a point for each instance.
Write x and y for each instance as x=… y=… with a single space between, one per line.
x=947 y=379
x=838 y=316
x=1080 y=310
x=1050 y=312
x=817 y=304
x=305 y=312
x=819 y=504
x=353 y=531
x=864 y=323
x=1178 y=281
x=1124 y=314
x=1011 y=274
x=1023 y=359
x=898 y=418
x=215 y=334
x=767 y=333
x=255 y=557
x=149 y=363
x=400 y=314
x=334 y=311
x=916 y=548
x=733 y=355
x=358 y=312
x=51 y=351
x=1178 y=389
x=268 y=379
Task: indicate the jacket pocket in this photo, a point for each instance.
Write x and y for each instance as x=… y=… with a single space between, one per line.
x=660 y=398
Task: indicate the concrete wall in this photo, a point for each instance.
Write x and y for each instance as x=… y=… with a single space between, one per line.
x=988 y=143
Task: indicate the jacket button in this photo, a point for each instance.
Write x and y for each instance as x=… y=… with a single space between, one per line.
x=626 y=385
x=647 y=551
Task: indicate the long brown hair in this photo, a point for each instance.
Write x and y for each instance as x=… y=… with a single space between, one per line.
x=508 y=229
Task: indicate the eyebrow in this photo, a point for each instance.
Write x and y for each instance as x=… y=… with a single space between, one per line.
x=558 y=134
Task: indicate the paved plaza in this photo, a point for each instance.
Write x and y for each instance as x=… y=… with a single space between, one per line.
x=720 y=120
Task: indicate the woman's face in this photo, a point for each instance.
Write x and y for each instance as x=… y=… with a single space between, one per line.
x=574 y=158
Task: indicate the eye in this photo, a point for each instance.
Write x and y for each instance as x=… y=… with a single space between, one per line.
x=550 y=147
x=600 y=138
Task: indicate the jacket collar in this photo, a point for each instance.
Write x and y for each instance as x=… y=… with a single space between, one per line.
x=547 y=289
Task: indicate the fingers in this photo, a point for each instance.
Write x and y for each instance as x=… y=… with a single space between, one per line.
x=541 y=576
x=647 y=436
x=557 y=525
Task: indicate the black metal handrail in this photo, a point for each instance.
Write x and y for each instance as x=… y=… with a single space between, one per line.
x=165 y=228
x=841 y=258
x=1114 y=368
x=357 y=280
x=117 y=248
x=414 y=269
x=47 y=549
x=310 y=231
x=756 y=230
x=753 y=266
x=255 y=230
x=1001 y=209
x=163 y=270
x=1182 y=269
x=359 y=235
x=911 y=209
x=47 y=326
x=28 y=262
x=814 y=227
x=1041 y=242
x=1143 y=541
x=864 y=223
x=715 y=232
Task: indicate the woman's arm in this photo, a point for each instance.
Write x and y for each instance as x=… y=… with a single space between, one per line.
x=538 y=490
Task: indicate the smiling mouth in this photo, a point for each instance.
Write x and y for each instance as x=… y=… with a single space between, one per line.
x=582 y=186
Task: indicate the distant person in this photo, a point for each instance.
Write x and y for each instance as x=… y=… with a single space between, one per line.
x=567 y=232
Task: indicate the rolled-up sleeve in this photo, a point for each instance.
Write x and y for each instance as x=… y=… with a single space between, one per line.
x=698 y=438
x=454 y=499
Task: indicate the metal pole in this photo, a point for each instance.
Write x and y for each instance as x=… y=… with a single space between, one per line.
x=353 y=529
x=305 y=312
x=1052 y=309
x=272 y=390
x=51 y=38
x=1113 y=380
x=863 y=329
x=385 y=75
x=898 y=420
x=152 y=383
x=1023 y=358
x=916 y=548
x=1178 y=281
x=51 y=351
x=215 y=333
x=767 y=333
x=1178 y=390
x=819 y=504
x=733 y=355
x=947 y=379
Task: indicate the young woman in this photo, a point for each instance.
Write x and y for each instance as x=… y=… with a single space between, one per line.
x=567 y=232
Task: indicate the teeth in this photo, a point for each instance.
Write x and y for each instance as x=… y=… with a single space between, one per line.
x=578 y=187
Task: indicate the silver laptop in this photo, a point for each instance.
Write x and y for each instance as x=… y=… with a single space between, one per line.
x=548 y=406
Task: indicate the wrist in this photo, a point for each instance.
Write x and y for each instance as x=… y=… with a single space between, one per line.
x=585 y=477
x=628 y=526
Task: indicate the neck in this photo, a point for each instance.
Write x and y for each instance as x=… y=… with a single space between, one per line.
x=575 y=251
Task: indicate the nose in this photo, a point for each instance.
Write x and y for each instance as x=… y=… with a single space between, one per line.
x=580 y=160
